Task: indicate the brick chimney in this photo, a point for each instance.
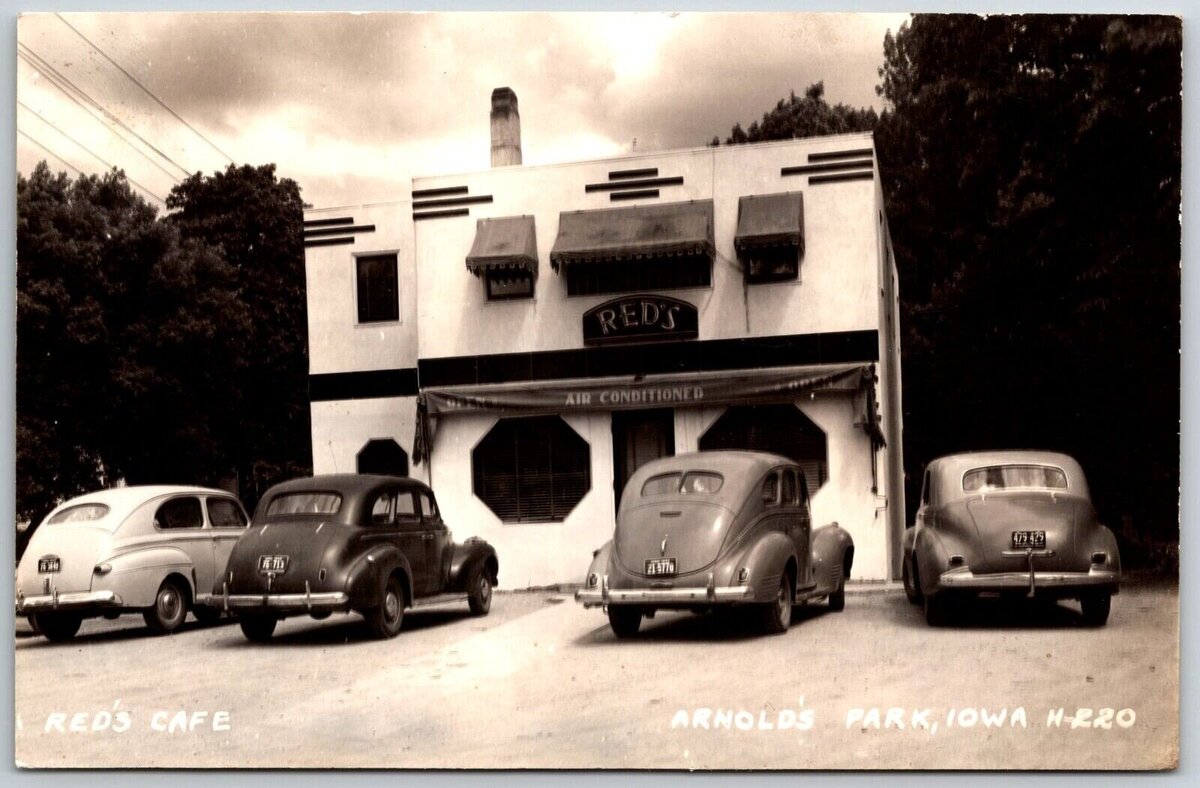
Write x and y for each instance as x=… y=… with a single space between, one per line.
x=506 y=128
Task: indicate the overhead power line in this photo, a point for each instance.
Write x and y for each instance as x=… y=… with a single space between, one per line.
x=52 y=153
x=145 y=89
x=97 y=156
x=68 y=87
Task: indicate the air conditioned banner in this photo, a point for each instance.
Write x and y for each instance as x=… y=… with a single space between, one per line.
x=627 y=393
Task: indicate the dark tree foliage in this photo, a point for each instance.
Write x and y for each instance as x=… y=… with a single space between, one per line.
x=120 y=327
x=809 y=115
x=1031 y=166
x=255 y=220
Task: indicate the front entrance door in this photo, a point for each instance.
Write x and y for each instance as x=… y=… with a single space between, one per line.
x=639 y=436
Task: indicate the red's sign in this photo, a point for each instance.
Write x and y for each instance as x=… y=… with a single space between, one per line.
x=641 y=318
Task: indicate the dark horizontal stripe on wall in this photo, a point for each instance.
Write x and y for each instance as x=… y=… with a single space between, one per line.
x=633 y=195
x=711 y=355
x=358 y=228
x=328 y=222
x=850 y=176
x=676 y=180
x=441 y=214
x=840 y=154
x=419 y=193
x=363 y=385
x=805 y=169
x=328 y=242
x=419 y=206
x=617 y=175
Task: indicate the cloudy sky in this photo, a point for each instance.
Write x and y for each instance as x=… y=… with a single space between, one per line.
x=353 y=106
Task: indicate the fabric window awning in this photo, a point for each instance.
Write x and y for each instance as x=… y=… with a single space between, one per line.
x=770 y=221
x=638 y=232
x=505 y=243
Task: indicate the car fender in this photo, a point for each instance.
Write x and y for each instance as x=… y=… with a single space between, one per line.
x=933 y=550
x=137 y=574
x=599 y=565
x=765 y=557
x=1102 y=539
x=830 y=543
x=366 y=575
x=467 y=557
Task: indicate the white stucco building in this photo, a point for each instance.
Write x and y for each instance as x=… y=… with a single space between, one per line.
x=522 y=338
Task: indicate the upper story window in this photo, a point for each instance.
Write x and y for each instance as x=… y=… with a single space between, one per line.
x=770 y=236
x=639 y=275
x=378 y=288
x=505 y=285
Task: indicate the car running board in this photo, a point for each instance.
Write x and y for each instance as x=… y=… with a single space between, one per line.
x=812 y=592
x=438 y=599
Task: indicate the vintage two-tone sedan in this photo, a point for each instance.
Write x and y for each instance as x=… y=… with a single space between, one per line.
x=374 y=545
x=1014 y=523
x=710 y=529
x=155 y=550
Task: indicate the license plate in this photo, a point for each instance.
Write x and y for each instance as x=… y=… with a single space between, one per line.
x=1035 y=539
x=272 y=563
x=660 y=566
x=47 y=565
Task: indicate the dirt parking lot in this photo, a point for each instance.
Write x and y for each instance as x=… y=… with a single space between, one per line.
x=543 y=683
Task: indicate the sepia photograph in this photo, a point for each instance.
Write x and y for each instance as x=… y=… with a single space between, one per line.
x=680 y=391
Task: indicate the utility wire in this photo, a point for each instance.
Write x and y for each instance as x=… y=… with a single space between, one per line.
x=88 y=150
x=147 y=91
x=52 y=153
x=57 y=78
x=45 y=120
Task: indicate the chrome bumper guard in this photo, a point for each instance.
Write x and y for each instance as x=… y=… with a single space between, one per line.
x=72 y=601
x=708 y=594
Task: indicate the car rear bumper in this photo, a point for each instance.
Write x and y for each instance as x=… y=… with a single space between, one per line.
x=81 y=600
x=1029 y=580
x=656 y=597
x=284 y=603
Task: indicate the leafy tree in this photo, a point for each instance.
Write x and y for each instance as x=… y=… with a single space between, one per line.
x=121 y=329
x=809 y=115
x=255 y=219
x=1031 y=166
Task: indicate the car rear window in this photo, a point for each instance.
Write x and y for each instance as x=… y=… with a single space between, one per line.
x=305 y=503
x=1000 y=477
x=691 y=483
x=82 y=513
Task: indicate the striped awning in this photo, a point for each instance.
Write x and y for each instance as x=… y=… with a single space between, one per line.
x=504 y=243
x=767 y=221
x=638 y=232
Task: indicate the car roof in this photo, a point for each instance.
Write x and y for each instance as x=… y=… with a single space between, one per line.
x=726 y=462
x=954 y=465
x=346 y=483
x=975 y=459
x=121 y=501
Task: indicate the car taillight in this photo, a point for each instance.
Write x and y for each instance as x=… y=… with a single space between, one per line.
x=102 y=569
x=593 y=580
x=1100 y=558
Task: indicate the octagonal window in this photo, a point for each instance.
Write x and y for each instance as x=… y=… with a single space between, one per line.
x=531 y=470
x=384 y=456
x=781 y=429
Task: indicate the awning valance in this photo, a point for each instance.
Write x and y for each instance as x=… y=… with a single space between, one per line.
x=635 y=392
x=770 y=221
x=637 y=232
x=507 y=242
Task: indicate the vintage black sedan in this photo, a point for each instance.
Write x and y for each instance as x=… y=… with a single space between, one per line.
x=1010 y=523
x=711 y=529
x=374 y=545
